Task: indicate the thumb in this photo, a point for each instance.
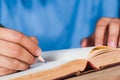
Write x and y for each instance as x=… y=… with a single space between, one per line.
x=34 y=39
x=84 y=42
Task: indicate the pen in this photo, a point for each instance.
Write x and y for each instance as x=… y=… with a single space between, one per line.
x=39 y=51
x=41 y=59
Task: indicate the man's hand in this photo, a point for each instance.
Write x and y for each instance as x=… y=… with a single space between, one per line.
x=17 y=51
x=107 y=32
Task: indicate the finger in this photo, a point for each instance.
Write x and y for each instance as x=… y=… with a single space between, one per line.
x=91 y=40
x=84 y=43
x=21 y=39
x=100 y=31
x=34 y=39
x=12 y=63
x=87 y=42
x=5 y=71
x=114 y=28
x=15 y=51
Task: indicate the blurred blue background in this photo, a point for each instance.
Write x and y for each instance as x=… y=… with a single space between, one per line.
x=57 y=24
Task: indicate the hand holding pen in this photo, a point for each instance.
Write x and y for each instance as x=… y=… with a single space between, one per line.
x=17 y=51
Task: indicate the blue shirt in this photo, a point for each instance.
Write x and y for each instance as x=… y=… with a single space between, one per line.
x=57 y=24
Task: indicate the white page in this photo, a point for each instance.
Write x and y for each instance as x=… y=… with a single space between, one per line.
x=53 y=59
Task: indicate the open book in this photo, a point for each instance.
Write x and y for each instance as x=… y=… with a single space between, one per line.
x=64 y=63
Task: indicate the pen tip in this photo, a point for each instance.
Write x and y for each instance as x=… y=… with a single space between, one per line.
x=41 y=59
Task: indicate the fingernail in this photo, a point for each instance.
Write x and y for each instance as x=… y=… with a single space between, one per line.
x=83 y=44
x=112 y=44
x=38 y=52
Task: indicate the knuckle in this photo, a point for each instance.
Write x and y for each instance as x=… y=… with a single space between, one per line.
x=34 y=39
x=104 y=18
x=114 y=23
x=100 y=27
x=115 y=20
x=100 y=23
x=18 y=37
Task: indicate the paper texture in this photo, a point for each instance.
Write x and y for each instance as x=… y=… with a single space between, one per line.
x=53 y=59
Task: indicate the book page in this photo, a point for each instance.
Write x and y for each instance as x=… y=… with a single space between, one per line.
x=53 y=59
